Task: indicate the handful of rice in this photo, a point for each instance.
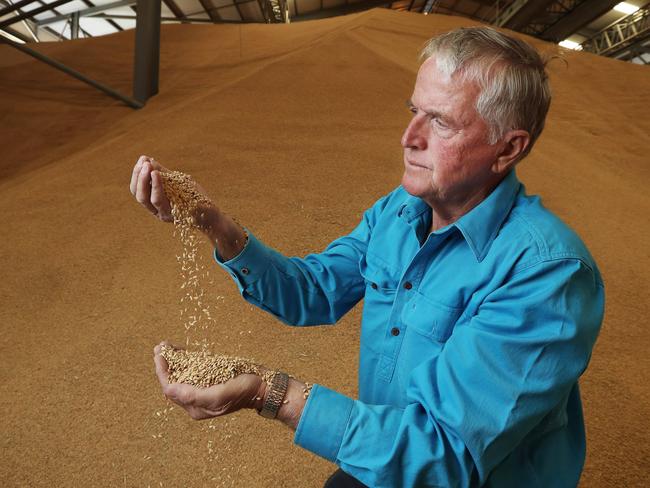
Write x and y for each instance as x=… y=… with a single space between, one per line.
x=202 y=369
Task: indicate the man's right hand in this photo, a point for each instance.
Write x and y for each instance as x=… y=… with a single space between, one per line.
x=147 y=188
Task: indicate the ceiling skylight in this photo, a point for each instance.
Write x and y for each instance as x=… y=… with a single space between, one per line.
x=571 y=45
x=626 y=8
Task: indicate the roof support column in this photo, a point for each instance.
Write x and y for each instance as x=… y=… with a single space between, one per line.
x=74 y=25
x=147 y=50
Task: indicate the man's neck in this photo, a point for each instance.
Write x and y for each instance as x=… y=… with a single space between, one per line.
x=444 y=214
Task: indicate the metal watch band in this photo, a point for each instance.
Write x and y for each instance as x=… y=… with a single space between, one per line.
x=275 y=395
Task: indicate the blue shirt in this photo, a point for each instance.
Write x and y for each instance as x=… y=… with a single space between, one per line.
x=473 y=338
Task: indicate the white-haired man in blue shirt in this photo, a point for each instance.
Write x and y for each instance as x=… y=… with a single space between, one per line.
x=481 y=308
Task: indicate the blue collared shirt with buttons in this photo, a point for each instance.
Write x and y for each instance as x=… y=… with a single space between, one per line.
x=473 y=338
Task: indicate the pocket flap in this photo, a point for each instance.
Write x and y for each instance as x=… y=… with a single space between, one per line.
x=431 y=319
x=377 y=274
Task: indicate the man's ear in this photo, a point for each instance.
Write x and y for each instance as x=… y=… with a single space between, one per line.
x=513 y=145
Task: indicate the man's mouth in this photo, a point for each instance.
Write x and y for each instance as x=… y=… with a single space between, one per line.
x=415 y=165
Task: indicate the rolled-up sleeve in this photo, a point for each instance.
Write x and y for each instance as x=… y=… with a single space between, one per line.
x=500 y=376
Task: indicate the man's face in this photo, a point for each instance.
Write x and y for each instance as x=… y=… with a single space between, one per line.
x=447 y=157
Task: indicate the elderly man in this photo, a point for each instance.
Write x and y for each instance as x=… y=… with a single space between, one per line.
x=481 y=307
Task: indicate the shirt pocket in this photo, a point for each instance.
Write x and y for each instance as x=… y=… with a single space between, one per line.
x=429 y=318
x=379 y=277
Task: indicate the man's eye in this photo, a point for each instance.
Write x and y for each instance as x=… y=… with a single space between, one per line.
x=413 y=110
x=439 y=123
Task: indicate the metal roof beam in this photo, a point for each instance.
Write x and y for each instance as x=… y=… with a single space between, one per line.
x=188 y=20
x=429 y=5
x=52 y=31
x=635 y=50
x=14 y=7
x=619 y=36
x=75 y=74
x=210 y=10
x=241 y=16
x=147 y=50
x=74 y=26
x=32 y=13
x=520 y=13
x=86 y=12
x=582 y=15
x=16 y=34
x=263 y=8
x=175 y=9
x=112 y=23
x=26 y=24
x=341 y=10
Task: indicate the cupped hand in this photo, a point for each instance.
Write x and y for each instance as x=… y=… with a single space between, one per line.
x=204 y=403
x=147 y=188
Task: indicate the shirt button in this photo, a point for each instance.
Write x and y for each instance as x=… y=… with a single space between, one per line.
x=373 y=286
x=408 y=285
x=394 y=331
x=244 y=271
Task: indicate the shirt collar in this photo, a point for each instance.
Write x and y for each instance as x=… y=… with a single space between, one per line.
x=480 y=225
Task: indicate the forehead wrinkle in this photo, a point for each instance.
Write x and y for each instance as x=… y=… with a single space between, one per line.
x=428 y=109
x=448 y=96
x=454 y=106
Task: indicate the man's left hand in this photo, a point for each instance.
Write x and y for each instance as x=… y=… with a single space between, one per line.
x=204 y=403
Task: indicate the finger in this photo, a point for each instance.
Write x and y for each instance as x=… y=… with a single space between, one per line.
x=158 y=198
x=197 y=413
x=205 y=397
x=173 y=346
x=184 y=395
x=133 y=186
x=157 y=166
x=158 y=348
x=143 y=192
x=162 y=369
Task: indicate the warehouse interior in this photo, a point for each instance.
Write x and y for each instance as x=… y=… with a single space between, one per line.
x=289 y=113
x=610 y=28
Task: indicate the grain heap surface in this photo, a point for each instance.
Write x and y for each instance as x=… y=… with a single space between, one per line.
x=298 y=125
x=187 y=202
x=202 y=369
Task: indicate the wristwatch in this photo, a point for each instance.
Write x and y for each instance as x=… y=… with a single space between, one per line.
x=275 y=395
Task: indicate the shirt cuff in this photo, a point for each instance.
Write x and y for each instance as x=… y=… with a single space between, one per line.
x=249 y=265
x=323 y=422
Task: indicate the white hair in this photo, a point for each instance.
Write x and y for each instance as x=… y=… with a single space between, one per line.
x=511 y=75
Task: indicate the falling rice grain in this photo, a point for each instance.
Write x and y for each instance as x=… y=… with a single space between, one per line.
x=186 y=201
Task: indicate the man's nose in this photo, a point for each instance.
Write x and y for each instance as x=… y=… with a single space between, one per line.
x=414 y=136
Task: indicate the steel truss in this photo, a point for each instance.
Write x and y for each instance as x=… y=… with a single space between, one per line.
x=279 y=11
x=506 y=14
x=629 y=31
x=552 y=14
x=85 y=12
x=553 y=20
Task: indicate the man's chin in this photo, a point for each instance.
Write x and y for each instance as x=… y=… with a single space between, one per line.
x=414 y=187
